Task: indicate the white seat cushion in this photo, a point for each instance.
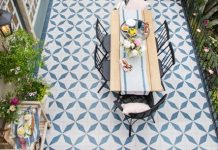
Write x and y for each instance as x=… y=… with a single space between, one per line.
x=137 y=4
x=134 y=108
x=120 y=5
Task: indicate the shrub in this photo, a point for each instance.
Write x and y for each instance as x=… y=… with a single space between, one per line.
x=32 y=90
x=18 y=62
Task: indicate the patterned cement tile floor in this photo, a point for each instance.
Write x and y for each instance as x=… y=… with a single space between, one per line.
x=83 y=119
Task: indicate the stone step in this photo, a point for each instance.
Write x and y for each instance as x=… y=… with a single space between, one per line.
x=4 y=146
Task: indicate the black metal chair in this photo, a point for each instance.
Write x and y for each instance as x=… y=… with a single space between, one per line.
x=103 y=37
x=162 y=35
x=166 y=58
x=102 y=65
x=123 y=99
x=157 y=105
x=139 y=99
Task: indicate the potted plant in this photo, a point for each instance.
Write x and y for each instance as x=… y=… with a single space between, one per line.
x=21 y=58
x=32 y=90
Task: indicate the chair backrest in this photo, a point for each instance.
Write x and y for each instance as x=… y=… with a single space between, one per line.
x=100 y=31
x=167 y=58
x=134 y=99
x=141 y=115
x=136 y=5
x=126 y=1
x=140 y=99
x=99 y=56
x=162 y=34
x=120 y=5
x=156 y=106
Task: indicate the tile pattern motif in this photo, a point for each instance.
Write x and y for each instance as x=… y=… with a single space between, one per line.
x=83 y=119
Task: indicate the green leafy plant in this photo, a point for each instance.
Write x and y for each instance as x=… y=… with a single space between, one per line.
x=214 y=97
x=22 y=56
x=203 y=20
x=9 y=107
x=32 y=90
x=209 y=11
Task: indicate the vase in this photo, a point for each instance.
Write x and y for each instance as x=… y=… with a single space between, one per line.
x=43 y=101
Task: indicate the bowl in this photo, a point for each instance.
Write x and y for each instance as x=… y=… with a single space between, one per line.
x=131 y=22
x=125 y=28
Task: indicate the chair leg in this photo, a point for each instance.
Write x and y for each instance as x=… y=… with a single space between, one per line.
x=130 y=130
x=102 y=86
x=152 y=118
x=130 y=127
x=108 y=56
x=162 y=85
x=115 y=109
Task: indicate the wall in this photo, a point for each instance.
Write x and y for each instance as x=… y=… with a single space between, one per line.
x=5 y=88
x=40 y=18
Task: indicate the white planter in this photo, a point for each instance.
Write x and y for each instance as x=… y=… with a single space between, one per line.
x=43 y=101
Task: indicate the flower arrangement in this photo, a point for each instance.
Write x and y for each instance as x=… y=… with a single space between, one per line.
x=9 y=108
x=132 y=47
x=26 y=129
x=32 y=90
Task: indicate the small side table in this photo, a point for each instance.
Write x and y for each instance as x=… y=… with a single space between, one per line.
x=44 y=124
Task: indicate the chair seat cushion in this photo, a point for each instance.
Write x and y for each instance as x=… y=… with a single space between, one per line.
x=137 y=4
x=106 y=69
x=134 y=108
x=160 y=67
x=107 y=43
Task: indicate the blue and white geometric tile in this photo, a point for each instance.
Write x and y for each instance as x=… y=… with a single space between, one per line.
x=84 y=119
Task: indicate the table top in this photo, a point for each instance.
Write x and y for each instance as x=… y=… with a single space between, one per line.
x=152 y=61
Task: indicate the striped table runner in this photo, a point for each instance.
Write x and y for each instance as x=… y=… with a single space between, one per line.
x=29 y=141
x=135 y=81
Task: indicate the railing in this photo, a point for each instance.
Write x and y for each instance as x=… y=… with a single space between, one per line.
x=207 y=57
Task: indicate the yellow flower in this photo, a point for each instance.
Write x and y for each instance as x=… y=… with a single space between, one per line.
x=12 y=108
x=27 y=117
x=21 y=131
x=29 y=132
x=26 y=127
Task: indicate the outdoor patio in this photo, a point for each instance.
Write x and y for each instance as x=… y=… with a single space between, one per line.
x=84 y=119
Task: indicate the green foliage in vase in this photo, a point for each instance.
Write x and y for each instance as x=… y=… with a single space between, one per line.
x=132 y=47
x=32 y=90
x=9 y=108
x=18 y=62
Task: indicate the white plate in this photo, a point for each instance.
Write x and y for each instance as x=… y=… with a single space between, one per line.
x=131 y=22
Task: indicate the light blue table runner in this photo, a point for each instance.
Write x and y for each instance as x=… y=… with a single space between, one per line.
x=136 y=80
